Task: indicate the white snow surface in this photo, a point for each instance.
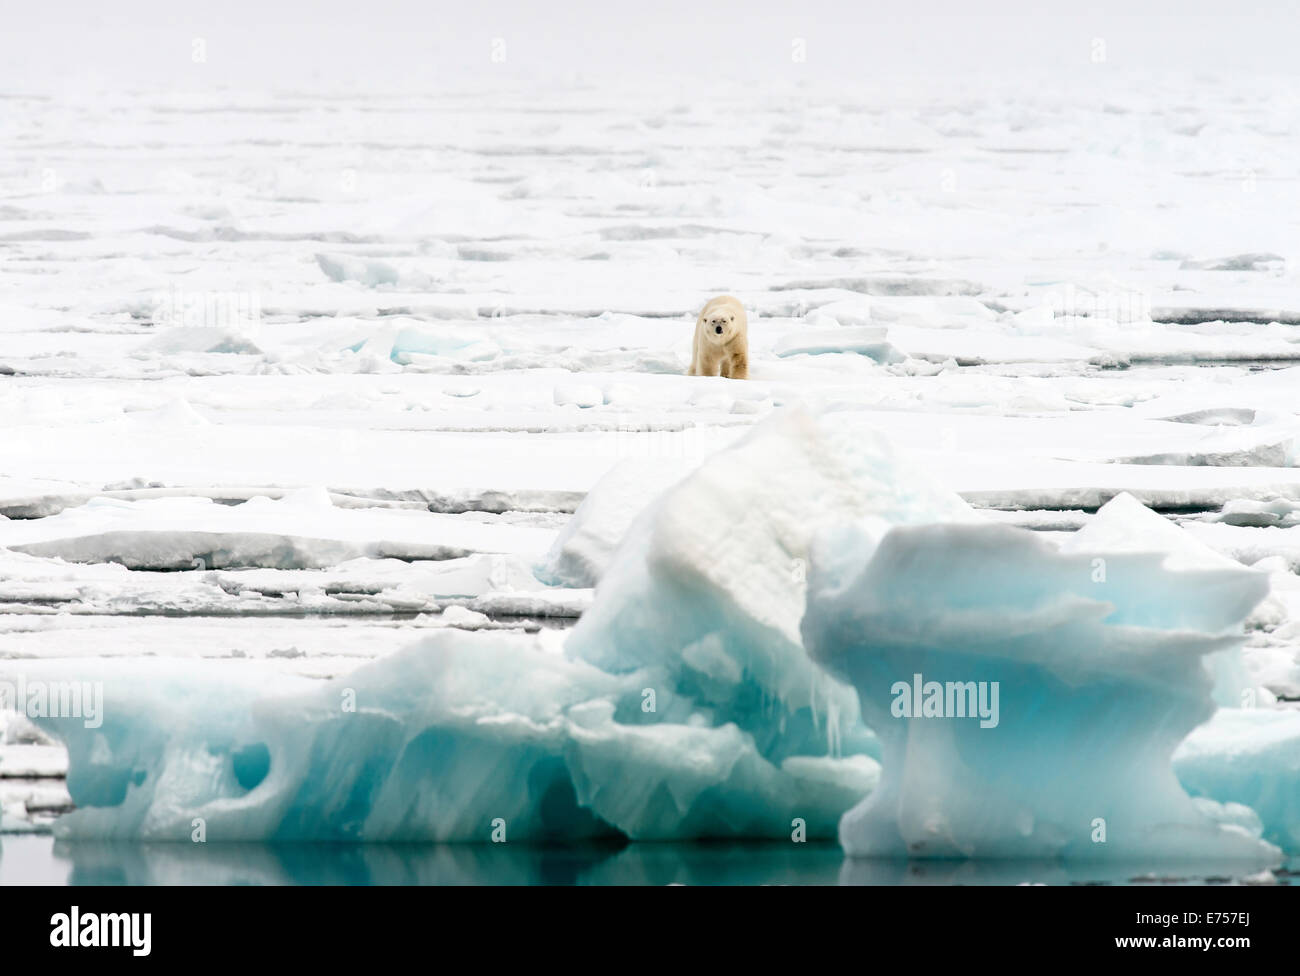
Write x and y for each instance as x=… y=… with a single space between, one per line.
x=288 y=380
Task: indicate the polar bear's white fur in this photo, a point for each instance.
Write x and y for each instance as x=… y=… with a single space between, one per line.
x=721 y=340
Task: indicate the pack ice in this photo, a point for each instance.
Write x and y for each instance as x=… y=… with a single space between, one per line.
x=741 y=649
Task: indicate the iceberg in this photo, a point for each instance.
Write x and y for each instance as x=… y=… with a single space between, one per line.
x=706 y=590
x=683 y=705
x=459 y=737
x=1249 y=756
x=584 y=547
x=1093 y=656
x=759 y=661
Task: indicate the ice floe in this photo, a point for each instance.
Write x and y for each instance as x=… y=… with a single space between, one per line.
x=684 y=704
x=301 y=530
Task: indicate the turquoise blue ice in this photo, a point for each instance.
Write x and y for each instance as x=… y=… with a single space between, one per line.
x=736 y=677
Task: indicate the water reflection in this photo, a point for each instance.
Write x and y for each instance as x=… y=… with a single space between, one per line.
x=40 y=859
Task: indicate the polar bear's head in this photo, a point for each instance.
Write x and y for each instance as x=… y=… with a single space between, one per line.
x=719 y=325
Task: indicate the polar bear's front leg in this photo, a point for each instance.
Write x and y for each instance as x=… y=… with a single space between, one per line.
x=740 y=366
x=704 y=364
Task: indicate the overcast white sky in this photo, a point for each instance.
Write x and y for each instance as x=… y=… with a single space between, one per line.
x=68 y=44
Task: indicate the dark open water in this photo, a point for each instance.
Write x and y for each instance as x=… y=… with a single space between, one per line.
x=39 y=859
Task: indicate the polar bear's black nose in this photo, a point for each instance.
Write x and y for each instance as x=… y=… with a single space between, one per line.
x=718 y=329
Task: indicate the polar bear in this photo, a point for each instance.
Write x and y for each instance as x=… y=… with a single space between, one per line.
x=721 y=340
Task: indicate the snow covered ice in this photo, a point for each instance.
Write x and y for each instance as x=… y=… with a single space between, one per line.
x=371 y=391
